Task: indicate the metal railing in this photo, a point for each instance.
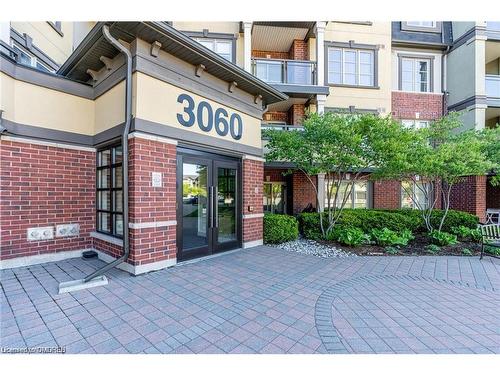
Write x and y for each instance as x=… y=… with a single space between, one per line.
x=282 y=127
x=492 y=86
x=296 y=72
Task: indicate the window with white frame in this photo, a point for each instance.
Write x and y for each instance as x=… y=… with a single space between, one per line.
x=429 y=24
x=414 y=195
x=415 y=74
x=354 y=194
x=416 y=124
x=223 y=47
x=347 y=66
x=26 y=58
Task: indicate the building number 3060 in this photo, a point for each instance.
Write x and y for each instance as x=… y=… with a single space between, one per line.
x=204 y=115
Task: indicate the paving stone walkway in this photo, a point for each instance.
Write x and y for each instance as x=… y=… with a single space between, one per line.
x=261 y=300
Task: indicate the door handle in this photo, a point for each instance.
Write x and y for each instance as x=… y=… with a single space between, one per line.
x=210 y=205
x=216 y=204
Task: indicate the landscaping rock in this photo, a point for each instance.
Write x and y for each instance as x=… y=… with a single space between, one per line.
x=310 y=247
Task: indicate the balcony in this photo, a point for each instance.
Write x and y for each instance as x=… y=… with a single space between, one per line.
x=493 y=30
x=492 y=86
x=284 y=127
x=288 y=72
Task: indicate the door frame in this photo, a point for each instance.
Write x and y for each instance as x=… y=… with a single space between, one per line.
x=211 y=159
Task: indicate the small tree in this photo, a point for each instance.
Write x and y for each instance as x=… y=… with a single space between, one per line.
x=438 y=156
x=335 y=145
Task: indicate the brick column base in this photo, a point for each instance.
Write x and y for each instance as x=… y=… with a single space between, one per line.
x=253 y=175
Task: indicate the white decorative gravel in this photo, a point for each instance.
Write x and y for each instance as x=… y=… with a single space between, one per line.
x=310 y=247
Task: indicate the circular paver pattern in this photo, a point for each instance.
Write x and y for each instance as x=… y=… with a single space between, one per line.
x=405 y=314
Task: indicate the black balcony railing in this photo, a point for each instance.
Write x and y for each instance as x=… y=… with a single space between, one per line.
x=295 y=72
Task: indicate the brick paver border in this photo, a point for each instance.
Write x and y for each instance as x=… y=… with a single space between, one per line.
x=329 y=335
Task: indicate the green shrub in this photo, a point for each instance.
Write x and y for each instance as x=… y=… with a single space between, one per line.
x=387 y=237
x=280 y=228
x=433 y=249
x=391 y=250
x=492 y=250
x=395 y=220
x=466 y=252
x=443 y=238
x=352 y=237
x=467 y=234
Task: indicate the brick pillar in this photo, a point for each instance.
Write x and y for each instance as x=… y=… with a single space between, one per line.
x=303 y=192
x=387 y=194
x=152 y=209
x=299 y=50
x=253 y=177
x=470 y=196
x=296 y=114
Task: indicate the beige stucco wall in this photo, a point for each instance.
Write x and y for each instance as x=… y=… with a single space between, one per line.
x=493 y=67
x=110 y=108
x=29 y=104
x=157 y=101
x=47 y=39
x=379 y=33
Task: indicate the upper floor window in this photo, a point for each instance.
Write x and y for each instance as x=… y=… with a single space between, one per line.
x=415 y=74
x=223 y=47
x=353 y=67
x=354 y=194
x=109 y=184
x=429 y=24
x=26 y=58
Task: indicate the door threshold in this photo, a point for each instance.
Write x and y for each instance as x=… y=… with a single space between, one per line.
x=207 y=257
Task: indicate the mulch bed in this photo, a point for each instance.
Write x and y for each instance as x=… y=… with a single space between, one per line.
x=415 y=247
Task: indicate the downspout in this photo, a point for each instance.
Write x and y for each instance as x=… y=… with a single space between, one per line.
x=2 y=128
x=125 y=162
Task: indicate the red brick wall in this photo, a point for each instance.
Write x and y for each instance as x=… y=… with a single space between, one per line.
x=269 y=54
x=276 y=116
x=152 y=204
x=405 y=105
x=303 y=192
x=470 y=196
x=296 y=114
x=387 y=194
x=275 y=175
x=492 y=195
x=44 y=186
x=253 y=175
x=298 y=50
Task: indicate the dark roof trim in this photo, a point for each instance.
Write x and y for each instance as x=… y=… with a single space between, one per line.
x=269 y=93
x=203 y=51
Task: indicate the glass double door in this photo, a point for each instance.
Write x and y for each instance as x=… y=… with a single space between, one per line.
x=208 y=205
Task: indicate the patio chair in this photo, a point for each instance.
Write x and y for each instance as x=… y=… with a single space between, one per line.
x=490 y=234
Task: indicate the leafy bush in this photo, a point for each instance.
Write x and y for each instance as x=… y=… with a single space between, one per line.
x=387 y=237
x=391 y=250
x=492 y=250
x=280 y=228
x=395 y=220
x=466 y=252
x=433 y=249
x=467 y=234
x=352 y=237
x=443 y=238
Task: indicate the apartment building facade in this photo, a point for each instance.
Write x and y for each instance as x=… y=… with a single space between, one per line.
x=201 y=93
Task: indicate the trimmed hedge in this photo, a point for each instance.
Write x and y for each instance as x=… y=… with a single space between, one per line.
x=280 y=228
x=395 y=220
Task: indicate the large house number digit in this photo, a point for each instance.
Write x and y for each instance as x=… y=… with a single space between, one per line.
x=206 y=119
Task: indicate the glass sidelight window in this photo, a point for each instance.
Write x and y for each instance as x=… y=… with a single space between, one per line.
x=109 y=191
x=274 y=197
